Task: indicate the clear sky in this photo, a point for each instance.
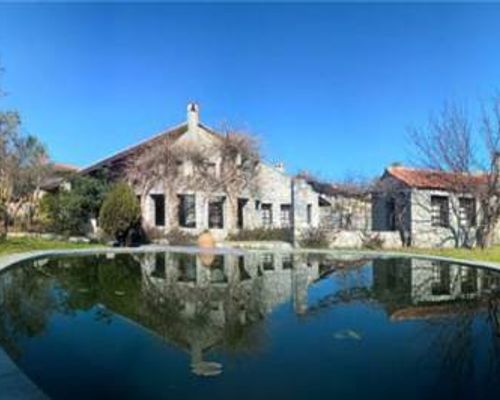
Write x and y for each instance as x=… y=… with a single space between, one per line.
x=329 y=88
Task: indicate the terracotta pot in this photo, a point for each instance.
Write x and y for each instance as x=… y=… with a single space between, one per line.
x=206 y=241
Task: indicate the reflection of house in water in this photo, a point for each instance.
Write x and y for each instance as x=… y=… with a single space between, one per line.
x=215 y=299
x=418 y=288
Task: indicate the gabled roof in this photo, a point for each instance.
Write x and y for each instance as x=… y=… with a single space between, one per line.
x=434 y=179
x=174 y=133
x=332 y=189
x=62 y=167
x=57 y=173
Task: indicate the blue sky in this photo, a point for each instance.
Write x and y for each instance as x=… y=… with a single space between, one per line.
x=330 y=88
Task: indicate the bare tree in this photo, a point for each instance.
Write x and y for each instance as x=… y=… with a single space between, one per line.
x=451 y=143
x=446 y=143
x=227 y=165
x=490 y=193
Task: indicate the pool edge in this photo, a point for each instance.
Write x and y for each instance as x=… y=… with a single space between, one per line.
x=17 y=382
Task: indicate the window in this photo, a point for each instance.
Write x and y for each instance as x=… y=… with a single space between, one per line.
x=468 y=280
x=244 y=275
x=391 y=214
x=309 y=214
x=159 y=209
x=467 y=211
x=267 y=262
x=287 y=261
x=180 y=168
x=241 y=207
x=216 y=213
x=187 y=210
x=210 y=169
x=441 y=279
x=285 y=215
x=159 y=271
x=267 y=215
x=217 y=274
x=440 y=215
x=187 y=268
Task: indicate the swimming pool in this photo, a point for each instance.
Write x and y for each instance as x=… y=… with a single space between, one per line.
x=259 y=325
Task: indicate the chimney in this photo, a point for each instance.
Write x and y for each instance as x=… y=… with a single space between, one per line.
x=193 y=117
x=280 y=167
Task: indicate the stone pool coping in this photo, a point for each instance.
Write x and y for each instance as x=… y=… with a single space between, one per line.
x=10 y=260
x=14 y=384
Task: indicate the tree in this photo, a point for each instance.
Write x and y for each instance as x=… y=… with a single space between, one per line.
x=69 y=211
x=227 y=165
x=23 y=165
x=120 y=212
x=451 y=143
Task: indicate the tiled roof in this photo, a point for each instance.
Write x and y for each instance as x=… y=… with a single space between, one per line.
x=434 y=179
x=174 y=133
x=64 y=167
x=331 y=189
x=432 y=311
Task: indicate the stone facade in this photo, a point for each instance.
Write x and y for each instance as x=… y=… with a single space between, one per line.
x=265 y=202
x=425 y=216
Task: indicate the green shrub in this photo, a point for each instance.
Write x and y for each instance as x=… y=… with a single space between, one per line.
x=263 y=234
x=68 y=212
x=373 y=242
x=314 y=238
x=120 y=212
x=64 y=213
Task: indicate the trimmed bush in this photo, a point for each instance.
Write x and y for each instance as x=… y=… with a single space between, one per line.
x=373 y=242
x=314 y=238
x=120 y=212
x=176 y=237
x=262 y=234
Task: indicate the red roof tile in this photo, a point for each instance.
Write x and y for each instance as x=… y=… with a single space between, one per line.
x=434 y=179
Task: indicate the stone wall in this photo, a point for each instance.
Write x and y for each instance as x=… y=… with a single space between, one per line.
x=424 y=234
x=345 y=212
x=360 y=239
x=305 y=214
x=270 y=186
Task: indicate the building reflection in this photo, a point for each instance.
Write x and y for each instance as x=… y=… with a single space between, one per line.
x=201 y=301
x=215 y=299
x=420 y=288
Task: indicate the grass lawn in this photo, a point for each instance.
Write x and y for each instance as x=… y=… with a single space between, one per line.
x=19 y=245
x=490 y=254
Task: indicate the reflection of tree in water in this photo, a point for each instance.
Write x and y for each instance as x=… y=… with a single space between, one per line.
x=453 y=303
x=26 y=303
x=32 y=292
x=199 y=307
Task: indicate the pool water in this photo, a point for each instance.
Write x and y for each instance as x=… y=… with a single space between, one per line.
x=255 y=326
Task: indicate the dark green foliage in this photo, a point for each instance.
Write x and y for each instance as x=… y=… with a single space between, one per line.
x=68 y=212
x=120 y=212
x=314 y=238
x=263 y=234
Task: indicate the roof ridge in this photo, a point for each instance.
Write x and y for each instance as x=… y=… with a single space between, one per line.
x=132 y=147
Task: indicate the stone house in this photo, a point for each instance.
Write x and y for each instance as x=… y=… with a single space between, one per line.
x=428 y=208
x=342 y=207
x=411 y=289
x=271 y=200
